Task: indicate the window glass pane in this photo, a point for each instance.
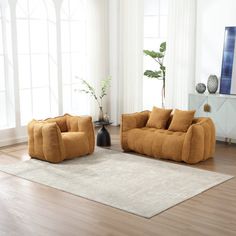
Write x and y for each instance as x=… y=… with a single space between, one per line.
x=80 y=103
x=24 y=71
x=52 y=41
x=77 y=66
x=151 y=44
x=7 y=116
x=77 y=9
x=77 y=36
x=1 y=46
x=26 y=108
x=164 y=7
x=37 y=59
x=37 y=9
x=163 y=26
x=38 y=36
x=23 y=36
x=2 y=74
x=3 y=118
x=65 y=36
x=40 y=73
x=151 y=26
x=151 y=7
x=41 y=103
x=66 y=68
x=67 y=98
x=22 y=8
x=73 y=33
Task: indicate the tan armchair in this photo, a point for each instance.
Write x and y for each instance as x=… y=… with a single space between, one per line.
x=193 y=146
x=60 y=138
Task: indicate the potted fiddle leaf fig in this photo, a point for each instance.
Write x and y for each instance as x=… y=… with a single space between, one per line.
x=160 y=74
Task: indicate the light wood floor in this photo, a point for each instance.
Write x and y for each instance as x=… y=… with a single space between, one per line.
x=28 y=208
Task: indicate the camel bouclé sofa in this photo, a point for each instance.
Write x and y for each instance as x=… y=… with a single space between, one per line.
x=195 y=145
x=60 y=138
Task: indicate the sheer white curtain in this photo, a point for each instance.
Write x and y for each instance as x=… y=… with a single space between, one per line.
x=131 y=48
x=97 y=48
x=126 y=56
x=181 y=44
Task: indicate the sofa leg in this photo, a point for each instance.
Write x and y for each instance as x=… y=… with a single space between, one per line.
x=228 y=140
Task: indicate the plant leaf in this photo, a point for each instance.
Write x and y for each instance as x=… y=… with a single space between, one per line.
x=163 y=47
x=153 y=74
x=152 y=54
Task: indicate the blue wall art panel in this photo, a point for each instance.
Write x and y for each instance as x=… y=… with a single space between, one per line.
x=228 y=69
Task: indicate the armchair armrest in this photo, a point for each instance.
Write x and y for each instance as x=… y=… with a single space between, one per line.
x=132 y=121
x=53 y=147
x=85 y=125
x=199 y=143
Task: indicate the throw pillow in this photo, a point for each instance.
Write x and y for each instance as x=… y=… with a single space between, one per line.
x=158 y=118
x=181 y=120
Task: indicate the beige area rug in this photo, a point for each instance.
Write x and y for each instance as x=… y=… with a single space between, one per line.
x=132 y=183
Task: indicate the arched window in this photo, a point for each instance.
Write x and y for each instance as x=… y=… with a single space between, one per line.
x=37 y=58
x=7 y=118
x=73 y=49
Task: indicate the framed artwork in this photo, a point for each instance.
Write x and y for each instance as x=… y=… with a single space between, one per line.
x=228 y=69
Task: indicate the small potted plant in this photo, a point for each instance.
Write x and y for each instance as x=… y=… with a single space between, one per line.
x=89 y=89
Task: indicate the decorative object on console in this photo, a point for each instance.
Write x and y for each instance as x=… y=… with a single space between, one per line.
x=200 y=87
x=222 y=112
x=212 y=84
x=161 y=74
x=89 y=89
x=228 y=69
x=106 y=117
x=207 y=108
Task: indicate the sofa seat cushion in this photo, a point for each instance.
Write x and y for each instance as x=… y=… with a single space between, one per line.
x=158 y=143
x=76 y=144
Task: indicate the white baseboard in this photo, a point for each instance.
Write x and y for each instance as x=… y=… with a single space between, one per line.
x=8 y=142
x=223 y=140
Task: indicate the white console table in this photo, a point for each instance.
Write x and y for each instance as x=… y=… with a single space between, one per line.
x=221 y=109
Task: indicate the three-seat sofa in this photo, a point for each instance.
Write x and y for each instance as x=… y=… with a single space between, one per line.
x=193 y=146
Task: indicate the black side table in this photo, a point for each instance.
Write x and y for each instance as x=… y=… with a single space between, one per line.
x=103 y=136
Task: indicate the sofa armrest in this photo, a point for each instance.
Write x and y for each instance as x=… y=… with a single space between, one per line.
x=85 y=125
x=53 y=147
x=199 y=143
x=132 y=121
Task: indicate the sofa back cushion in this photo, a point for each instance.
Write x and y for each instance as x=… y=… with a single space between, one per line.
x=158 y=118
x=181 y=120
x=61 y=122
x=72 y=123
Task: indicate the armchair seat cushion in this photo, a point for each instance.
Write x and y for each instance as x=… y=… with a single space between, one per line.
x=75 y=143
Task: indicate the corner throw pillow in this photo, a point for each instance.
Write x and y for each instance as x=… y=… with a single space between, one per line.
x=181 y=120
x=158 y=118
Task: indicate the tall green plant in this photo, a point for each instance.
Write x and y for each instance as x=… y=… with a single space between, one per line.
x=161 y=73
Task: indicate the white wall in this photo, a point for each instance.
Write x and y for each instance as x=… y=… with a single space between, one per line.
x=212 y=18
